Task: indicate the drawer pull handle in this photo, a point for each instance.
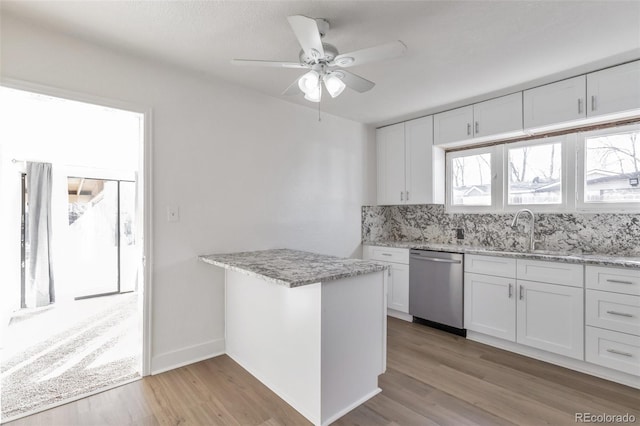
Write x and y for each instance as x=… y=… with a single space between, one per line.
x=510 y=290
x=619 y=282
x=386 y=254
x=613 y=351
x=621 y=314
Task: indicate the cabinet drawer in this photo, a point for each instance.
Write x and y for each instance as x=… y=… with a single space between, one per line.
x=612 y=349
x=551 y=272
x=618 y=280
x=387 y=254
x=490 y=265
x=613 y=311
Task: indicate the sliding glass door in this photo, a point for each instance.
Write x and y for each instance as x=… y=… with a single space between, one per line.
x=100 y=237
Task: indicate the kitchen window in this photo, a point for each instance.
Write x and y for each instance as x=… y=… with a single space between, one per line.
x=596 y=171
x=471 y=183
x=535 y=175
x=609 y=169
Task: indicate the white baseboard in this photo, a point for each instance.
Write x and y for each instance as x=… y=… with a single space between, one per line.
x=185 y=356
x=399 y=315
x=351 y=407
x=563 y=361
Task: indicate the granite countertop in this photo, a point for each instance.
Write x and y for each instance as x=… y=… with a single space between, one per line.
x=292 y=268
x=590 y=259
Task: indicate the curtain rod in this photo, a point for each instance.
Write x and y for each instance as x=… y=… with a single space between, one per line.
x=15 y=161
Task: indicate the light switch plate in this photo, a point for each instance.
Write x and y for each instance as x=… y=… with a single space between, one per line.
x=173 y=213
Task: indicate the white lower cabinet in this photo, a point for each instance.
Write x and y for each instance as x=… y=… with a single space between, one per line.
x=398 y=280
x=398 y=290
x=613 y=318
x=550 y=317
x=543 y=315
x=489 y=305
x=612 y=349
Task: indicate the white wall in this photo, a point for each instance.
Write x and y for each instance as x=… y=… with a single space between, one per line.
x=247 y=172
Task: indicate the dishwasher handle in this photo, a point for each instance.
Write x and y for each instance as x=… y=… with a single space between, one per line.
x=435 y=259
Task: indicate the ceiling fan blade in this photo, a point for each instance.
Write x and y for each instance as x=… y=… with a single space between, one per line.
x=354 y=82
x=376 y=53
x=276 y=64
x=293 y=89
x=308 y=35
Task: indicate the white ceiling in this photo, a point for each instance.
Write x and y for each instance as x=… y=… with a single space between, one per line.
x=457 y=50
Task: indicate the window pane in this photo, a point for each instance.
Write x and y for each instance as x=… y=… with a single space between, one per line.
x=471 y=180
x=535 y=174
x=612 y=168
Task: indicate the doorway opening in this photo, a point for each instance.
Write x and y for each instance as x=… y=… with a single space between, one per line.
x=71 y=306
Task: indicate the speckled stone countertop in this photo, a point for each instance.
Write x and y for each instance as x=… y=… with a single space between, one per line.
x=292 y=268
x=589 y=259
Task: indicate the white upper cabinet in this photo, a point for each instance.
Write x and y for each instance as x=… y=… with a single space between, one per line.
x=453 y=126
x=555 y=103
x=391 y=159
x=614 y=90
x=496 y=116
x=424 y=164
x=485 y=119
x=410 y=169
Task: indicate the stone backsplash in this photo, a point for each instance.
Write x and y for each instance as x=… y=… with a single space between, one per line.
x=603 y=233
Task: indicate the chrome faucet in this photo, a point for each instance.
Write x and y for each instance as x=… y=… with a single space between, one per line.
x=532 y=240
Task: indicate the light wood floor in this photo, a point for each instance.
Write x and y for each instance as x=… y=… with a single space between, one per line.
x=432 y=378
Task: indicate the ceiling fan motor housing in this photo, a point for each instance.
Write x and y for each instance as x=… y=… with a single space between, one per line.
x=330 y=52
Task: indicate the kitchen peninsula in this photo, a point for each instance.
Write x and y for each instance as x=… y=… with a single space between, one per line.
x=310 y=327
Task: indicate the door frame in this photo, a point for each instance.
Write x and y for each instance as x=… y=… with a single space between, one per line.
x=91 y=175
x=144 y=186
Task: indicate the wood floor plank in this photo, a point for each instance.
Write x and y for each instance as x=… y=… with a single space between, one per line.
x=432 y=378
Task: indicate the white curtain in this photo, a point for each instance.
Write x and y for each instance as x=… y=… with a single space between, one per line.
x=39 y=288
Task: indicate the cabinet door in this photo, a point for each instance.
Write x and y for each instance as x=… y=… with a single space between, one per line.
x=418 y=160
x=551 y=317
x=490 y=306
x=453 y=126
x=555 y=103
x=496 y=116
x=614 y=89
x=398 y=290
x=391 y=158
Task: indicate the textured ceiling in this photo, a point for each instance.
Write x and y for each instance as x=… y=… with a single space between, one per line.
x=457 y=50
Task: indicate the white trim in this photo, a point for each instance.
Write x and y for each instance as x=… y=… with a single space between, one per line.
x=192 y=354
x=399 y=315
x=581 y=205
x=563 y=361
x=353 y=406
x=66 y=401
x=145 y=181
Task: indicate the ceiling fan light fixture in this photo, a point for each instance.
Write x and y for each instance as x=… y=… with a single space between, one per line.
x=314 y=95
x=334 y=84
x=309 y=83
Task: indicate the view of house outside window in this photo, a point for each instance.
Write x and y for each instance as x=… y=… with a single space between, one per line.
x=471 y=180
x=535 y=174
x=612 y=168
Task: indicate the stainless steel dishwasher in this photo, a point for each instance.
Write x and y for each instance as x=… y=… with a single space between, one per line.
x=436 y=290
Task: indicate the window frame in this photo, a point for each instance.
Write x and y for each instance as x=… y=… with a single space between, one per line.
x=496 y=172
x=567 y=144
x=581 y=154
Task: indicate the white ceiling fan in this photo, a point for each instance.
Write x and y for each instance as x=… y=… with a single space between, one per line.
x=325 y=62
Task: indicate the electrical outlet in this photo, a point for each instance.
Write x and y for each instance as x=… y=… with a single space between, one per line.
x=173 y=213
x=460 y=233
